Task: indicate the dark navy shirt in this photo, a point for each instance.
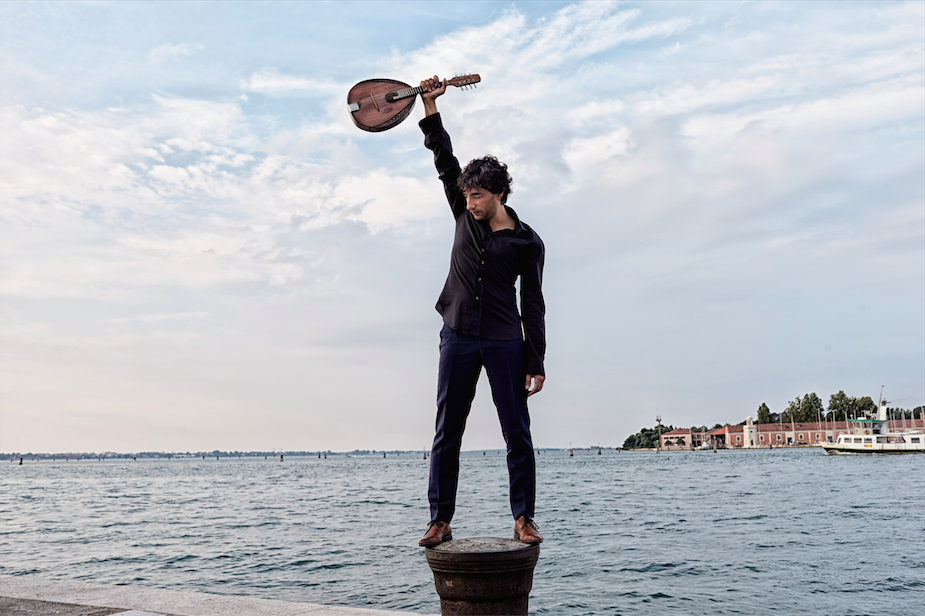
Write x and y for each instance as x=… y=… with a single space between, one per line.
x=478 y=298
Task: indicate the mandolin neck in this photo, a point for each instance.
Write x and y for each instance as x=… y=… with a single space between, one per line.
x=398 y=95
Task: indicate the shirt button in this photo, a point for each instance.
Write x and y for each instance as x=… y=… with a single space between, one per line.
x=483 y=261
x=476 y=298
x=480 y=280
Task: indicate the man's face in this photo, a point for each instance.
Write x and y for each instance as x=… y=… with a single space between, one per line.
x=482 y=204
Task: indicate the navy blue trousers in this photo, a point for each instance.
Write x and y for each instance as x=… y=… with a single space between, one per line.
x=461 y=361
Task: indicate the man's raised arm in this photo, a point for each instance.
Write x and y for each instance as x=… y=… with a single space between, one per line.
x=438 y=141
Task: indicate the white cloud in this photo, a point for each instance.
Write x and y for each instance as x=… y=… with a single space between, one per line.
x=582 y=30
x=864 y=108
x=684 y=98
x=195 y=212
x=387 y=201
x=580 y=154
x=521 y=63
x=672 y=49
x=174 y=175
x=167 y=52
x=175 y=316
x=195 y=160
x=595 y=111
x=274 y=83
x=675 y=161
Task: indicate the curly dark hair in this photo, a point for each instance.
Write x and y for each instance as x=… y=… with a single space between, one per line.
x=487 y=173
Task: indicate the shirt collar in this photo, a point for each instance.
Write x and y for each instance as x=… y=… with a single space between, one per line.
x=518 y=226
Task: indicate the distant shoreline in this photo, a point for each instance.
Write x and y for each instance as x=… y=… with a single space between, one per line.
x=75 y=456
x=111 y=455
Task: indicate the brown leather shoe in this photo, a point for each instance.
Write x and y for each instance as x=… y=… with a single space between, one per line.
x=526 y=530
x=437 y=533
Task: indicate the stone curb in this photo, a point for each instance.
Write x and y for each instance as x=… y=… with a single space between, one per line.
x=133 y=600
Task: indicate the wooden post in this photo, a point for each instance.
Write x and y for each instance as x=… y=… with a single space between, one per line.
x=483 y=575
x=658 y=443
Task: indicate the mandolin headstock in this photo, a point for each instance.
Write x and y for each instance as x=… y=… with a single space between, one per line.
x=464 y=81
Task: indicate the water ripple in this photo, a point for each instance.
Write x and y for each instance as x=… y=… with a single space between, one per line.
x=752 y=533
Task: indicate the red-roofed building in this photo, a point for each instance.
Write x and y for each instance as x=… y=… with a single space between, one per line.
x=764 y=436
x=681 y=438
x=678 y=438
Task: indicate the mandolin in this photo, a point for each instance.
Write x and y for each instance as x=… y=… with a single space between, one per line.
x=376 y=105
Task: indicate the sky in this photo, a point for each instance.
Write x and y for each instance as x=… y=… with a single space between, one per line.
x=198 y=250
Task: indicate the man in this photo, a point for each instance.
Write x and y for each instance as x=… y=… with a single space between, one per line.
x=482 y=326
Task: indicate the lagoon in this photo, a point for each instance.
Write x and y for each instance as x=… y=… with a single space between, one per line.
x=732 y=532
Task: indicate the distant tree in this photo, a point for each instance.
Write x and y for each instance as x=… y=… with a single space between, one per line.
x=811 y=408
x=775 y=417
x=717 y=426
x=898 y=413
x=647 y=438
x=840 y=405
x=794 y=408
x=680 y=442
x=764 y=414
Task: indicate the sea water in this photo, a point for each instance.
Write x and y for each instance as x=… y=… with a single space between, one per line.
x=733 y=532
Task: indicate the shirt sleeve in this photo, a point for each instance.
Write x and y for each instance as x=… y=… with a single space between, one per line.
x=437 y=140
x=533 y=308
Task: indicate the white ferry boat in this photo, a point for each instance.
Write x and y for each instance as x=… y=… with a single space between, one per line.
x=872 y=435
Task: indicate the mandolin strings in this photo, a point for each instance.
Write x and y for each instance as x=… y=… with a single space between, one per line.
x=465 y=80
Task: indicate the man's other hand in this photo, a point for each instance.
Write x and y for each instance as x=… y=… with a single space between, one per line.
x=534 y=384
x=433 y=88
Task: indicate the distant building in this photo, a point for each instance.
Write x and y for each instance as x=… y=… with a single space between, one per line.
x=682 y=439
x=763 y=436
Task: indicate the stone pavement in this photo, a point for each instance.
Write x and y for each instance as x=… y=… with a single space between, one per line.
x=30 y=595
x=32 y=607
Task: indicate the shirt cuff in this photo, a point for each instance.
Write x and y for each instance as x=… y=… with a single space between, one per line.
x=535 y=366
x=431 y=123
